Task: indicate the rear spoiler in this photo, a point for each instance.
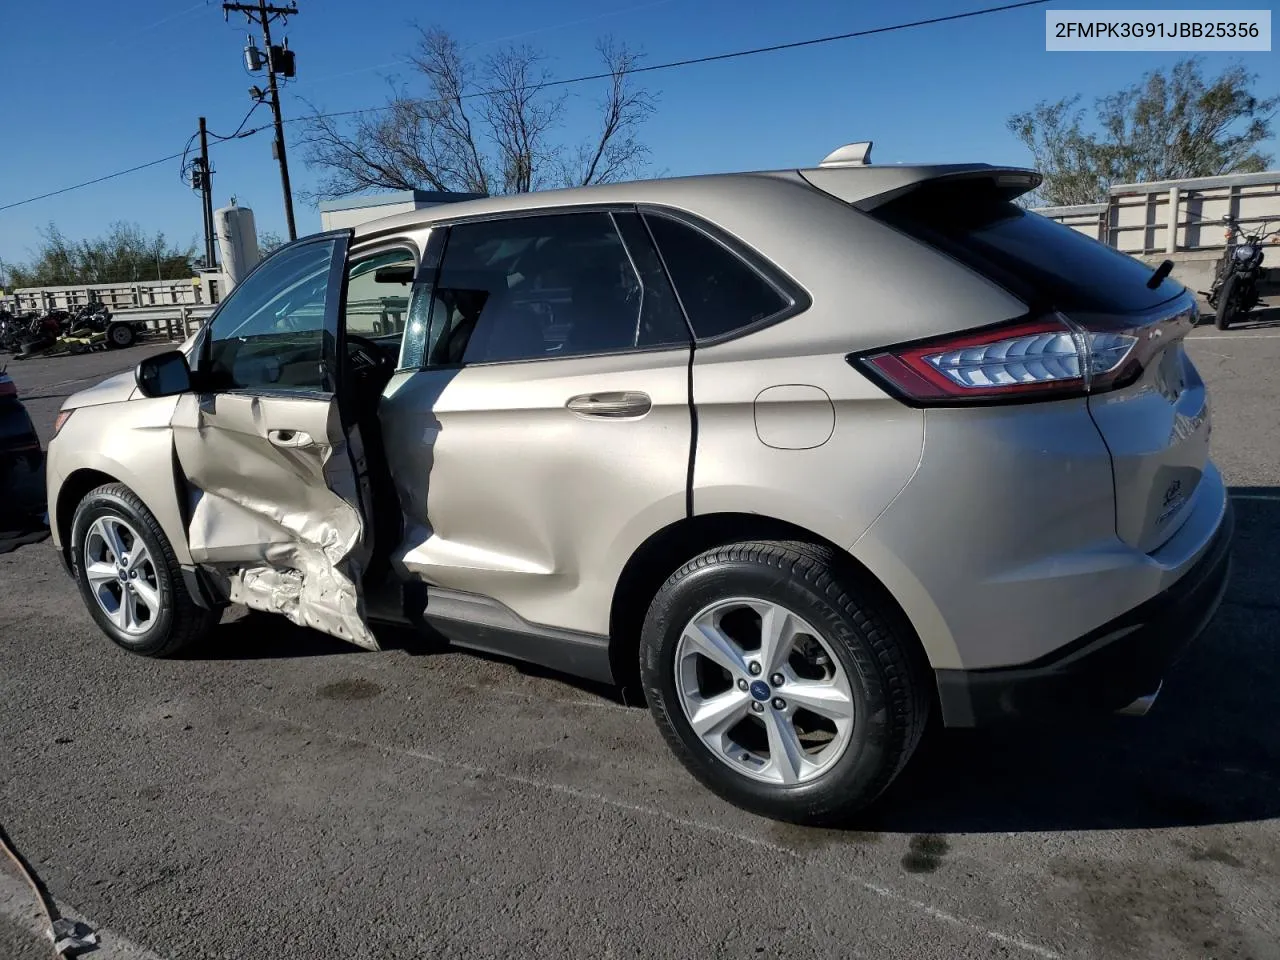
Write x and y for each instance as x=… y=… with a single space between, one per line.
x=867 y=187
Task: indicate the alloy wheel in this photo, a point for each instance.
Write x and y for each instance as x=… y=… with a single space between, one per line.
x=763 y=691
x=122 y=575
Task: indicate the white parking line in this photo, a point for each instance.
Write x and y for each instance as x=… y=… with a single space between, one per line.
x=961 y=922
x=1255 y=496
x=1227 y=337
x=18 y=905
x=698 y=825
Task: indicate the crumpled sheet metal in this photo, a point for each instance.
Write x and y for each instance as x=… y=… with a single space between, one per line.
x=312 y=549
x=324 y=599
x=71 y=937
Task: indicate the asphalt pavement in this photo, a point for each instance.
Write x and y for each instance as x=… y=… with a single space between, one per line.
x=276 y=793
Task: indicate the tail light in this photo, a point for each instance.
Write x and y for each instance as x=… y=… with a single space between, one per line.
x=7 y=387
x=1023 y=360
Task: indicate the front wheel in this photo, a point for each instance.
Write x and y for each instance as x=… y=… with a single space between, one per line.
x=129 y=578
x=781 y=683
x=1228 y=303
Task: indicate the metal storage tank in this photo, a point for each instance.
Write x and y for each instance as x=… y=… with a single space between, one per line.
x=237 y=242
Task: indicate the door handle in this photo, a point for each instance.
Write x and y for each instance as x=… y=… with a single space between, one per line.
x=618 y=405
x=290 y=438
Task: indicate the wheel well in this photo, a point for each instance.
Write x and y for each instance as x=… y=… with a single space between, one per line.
x=73 y=490
x=673 y=546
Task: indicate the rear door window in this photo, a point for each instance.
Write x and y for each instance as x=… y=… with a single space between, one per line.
x=378 y=293
x=1036 y=258
x=540 y=287
x=720 y=291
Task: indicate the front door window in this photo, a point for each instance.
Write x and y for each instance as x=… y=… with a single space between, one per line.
x=271 y=333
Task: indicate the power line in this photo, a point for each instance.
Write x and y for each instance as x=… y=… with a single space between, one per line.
x=279 y=64
x=256 y=105
x=650 y=68
x=796 y=44
x=712 y=58
x=402 y=62
x=89 y=183
x=184 y=166
x=240 y=134
x=133 y=33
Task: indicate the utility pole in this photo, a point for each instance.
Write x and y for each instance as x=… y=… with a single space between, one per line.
x=206 y=196
x=279 y=61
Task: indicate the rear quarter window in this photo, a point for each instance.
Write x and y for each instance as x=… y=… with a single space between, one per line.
x=721 y=293
x=1037 y=259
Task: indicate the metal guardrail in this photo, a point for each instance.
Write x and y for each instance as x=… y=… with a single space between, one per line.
x=117 y=296
x=174 y=321
x=1175 y=216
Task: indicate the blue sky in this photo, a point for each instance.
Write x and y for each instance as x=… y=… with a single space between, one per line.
x=105 y=86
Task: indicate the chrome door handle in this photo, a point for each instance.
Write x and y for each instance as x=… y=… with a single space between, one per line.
x=617 y=405
x=290 y=438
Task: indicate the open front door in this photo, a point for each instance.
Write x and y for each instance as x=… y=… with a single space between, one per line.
x=277 y=495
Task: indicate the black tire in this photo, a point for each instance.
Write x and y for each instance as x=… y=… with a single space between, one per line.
x=879 y=654
x=1227 y=306
x=180 y=621
x=120 y=335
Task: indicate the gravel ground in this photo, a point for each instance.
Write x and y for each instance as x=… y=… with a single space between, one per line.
x=278 y=794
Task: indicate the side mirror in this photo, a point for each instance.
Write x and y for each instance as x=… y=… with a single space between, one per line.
x=164 y=375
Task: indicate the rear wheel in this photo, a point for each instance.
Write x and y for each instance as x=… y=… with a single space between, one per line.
x=121 y=335
x=129 y=578
x=780 y=684
x=1228 y=304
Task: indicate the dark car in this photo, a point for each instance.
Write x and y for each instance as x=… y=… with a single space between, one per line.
x=21 y=462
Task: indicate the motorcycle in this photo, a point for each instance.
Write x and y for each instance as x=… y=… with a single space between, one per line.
x=1235 y=286
x=42 y=333
x=12 y=330
x=92 y=318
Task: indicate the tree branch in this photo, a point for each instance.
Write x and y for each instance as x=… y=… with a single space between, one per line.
x=502 y=142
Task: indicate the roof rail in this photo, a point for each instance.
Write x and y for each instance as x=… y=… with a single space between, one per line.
x=850 y=155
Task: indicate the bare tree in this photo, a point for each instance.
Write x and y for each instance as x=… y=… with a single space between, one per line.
x=617 y=153
x=269 y=242
x=480 y=126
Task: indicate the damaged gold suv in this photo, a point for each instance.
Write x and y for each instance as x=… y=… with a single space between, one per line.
x=675 y=432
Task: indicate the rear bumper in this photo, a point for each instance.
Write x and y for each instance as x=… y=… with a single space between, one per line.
x=1108 y=668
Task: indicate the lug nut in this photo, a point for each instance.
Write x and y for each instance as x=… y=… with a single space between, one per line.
x=757 y=706
x=779 y=703
x=777 y=679
x=754 y=668
x=133 y=575
x=742 y=684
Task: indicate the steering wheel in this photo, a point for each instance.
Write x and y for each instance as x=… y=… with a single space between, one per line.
x=366 y=356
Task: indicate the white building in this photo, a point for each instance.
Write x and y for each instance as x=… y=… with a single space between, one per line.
x=336 y=214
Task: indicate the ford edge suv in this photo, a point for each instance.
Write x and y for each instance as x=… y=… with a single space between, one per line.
x=806 y=454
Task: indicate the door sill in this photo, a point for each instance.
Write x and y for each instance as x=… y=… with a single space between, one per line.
x=480 y=623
